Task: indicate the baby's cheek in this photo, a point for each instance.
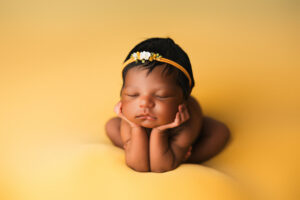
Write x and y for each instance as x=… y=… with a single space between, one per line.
x=168 y=114
x=127 y=110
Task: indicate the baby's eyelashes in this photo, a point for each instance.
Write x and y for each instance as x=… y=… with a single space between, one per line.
x=156 y=96
x=162 y=97
x=132 y=95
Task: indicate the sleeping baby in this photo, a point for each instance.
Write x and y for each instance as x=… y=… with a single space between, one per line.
x=159 y=124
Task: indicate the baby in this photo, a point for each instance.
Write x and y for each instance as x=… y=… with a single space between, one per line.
x=159 y=124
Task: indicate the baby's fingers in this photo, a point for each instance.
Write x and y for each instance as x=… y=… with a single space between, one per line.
x=177 y=120
x=184 y=115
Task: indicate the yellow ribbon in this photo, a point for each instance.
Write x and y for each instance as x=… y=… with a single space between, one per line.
x=165 y=60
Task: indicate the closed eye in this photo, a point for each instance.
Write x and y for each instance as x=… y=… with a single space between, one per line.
x=162 y=97
x=132 y=95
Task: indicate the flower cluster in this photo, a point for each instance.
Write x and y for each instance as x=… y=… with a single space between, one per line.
x=145 y=55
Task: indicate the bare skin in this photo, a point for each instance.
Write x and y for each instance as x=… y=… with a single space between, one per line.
x=170 y=132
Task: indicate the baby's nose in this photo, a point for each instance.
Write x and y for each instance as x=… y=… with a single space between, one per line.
x=146 y=102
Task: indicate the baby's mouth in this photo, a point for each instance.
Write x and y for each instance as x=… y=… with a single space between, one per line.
x=148 y=117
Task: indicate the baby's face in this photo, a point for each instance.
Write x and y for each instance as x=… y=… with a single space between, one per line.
x=157 y=96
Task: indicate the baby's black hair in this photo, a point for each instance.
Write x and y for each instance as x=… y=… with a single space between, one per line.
x=167 y=48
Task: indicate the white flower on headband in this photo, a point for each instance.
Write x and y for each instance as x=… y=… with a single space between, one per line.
x=135 y=56
x=145 y=55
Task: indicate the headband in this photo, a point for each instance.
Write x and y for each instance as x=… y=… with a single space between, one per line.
x=145 y=55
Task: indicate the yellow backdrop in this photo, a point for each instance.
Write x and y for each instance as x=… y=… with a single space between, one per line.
x=60 y=76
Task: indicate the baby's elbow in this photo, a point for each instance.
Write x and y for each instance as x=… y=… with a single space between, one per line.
x=138 y=167
x=141 y=169
x=161 y=169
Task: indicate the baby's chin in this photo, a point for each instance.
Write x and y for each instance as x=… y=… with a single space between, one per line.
x=147 y=124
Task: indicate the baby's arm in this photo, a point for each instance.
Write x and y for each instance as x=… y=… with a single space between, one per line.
x=136 y=144
x=166 y=155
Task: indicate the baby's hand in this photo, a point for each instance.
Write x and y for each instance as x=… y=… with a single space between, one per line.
x=181 y=116
x=118 y=111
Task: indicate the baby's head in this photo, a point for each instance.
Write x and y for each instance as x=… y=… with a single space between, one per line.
x=156 y=88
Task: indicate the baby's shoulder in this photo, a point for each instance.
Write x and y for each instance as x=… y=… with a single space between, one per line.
x=194 y=108
x=193 y=103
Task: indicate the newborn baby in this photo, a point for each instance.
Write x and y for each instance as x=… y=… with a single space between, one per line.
x=159 y=124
